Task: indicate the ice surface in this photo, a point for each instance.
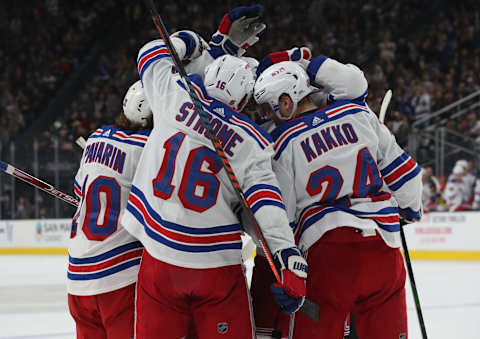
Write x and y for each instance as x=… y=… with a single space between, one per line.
x=33 y=303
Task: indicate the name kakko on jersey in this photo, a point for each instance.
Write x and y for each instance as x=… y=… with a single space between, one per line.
x=323 y=141
x=106 y=154
x=225 y=135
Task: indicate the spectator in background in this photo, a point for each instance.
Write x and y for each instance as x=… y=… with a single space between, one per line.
x=387 y=49
x=468 y=180
x=6 y=205
x=400 y=128
x=421 y=102
x=24 y=209
x=430 y=191
x=476 y=195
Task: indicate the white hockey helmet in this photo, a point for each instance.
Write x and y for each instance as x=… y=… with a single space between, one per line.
x=230 y=80
x=135 y=105
x=253 y=63
x=286 y=77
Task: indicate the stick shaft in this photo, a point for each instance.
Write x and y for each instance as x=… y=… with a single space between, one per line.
x=46 y=187
x=413 y=284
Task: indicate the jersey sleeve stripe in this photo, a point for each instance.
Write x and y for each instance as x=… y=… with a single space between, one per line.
x=404 y=179
x=146 y=59
x=259 y=187
x=400 y=171
x=77 y=189
x=264 y=195
x=315 y=64
x=252 y=131
x=394 y=164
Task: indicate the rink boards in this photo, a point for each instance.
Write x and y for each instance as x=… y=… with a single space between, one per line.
x=439 y=236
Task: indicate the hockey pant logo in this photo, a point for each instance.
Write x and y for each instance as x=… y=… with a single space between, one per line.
x=222 y=328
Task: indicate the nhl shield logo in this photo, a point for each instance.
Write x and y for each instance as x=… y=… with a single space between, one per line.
x=222 y=328
x=402 y=336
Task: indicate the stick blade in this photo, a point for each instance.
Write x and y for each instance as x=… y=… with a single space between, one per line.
x=310 y=309
x=385 y=103
x=81 y=142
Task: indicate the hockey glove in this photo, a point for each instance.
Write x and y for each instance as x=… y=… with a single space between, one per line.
x=239 y=29
x=290 y=294
x=301 y=55
x=194 y=44
x=410 y=216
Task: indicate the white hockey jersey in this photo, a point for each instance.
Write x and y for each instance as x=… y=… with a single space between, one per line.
x=476 y=194
x=455 y=194
x=332 y=165
x=103 y=256
x=181 y=202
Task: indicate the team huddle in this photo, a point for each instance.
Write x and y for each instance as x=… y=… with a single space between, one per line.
x=155 y=249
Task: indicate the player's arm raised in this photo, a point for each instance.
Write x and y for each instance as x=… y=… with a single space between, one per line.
x=340 y=81
x=157 y=71
x=238 y=30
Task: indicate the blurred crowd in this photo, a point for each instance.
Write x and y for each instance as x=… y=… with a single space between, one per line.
x=460 y=191
x=428 y=60
x=43 y=42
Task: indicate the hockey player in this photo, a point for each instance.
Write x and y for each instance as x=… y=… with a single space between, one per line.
x=181 y=202
x=104 y=258
x=332 y=164
x=455 y=194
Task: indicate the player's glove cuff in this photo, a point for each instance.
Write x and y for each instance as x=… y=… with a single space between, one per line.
x=287 y=303
x=302 y=55
x=193 y=44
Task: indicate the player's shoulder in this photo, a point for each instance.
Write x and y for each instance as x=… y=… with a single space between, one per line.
x=319 y=117
x=284 y=133
x=111 y=132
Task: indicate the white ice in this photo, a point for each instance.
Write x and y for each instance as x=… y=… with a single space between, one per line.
x=33 y=303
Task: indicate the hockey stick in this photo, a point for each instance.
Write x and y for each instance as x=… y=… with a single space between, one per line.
x=383 y=110
x=81 y=142
x=412 y=281
x=385 y=103
x=9 y=169
x=309 y=308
